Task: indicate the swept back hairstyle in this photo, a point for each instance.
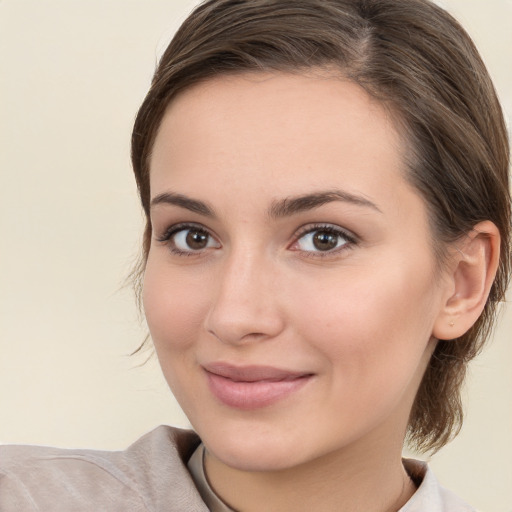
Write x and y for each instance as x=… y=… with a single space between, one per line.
x=415 y=59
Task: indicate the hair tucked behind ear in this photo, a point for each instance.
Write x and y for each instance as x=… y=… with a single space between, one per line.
x=418 y=61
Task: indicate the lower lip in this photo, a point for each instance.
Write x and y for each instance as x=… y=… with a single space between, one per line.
x=253 y=395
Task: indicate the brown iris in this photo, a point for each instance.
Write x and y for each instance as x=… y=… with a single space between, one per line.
x=197 y=239
x=325 y=241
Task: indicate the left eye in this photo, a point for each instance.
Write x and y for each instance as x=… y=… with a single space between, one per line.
x=322 y=240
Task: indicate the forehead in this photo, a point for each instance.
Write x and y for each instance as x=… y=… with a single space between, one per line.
x=292 y=130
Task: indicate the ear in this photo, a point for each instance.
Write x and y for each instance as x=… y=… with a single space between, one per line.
x=472 y=269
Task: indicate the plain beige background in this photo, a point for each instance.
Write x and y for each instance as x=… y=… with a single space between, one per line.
x=72 y=74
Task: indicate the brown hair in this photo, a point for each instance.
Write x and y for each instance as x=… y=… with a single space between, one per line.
x=419 y=62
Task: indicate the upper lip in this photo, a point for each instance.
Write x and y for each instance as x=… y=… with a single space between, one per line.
x=252 y=373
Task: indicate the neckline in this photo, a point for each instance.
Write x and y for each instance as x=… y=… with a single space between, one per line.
x=196 y=467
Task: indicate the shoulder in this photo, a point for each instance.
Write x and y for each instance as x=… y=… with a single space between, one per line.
x=431 y=496
x=150 y=473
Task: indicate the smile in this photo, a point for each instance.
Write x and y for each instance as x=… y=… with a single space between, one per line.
x=252 y=387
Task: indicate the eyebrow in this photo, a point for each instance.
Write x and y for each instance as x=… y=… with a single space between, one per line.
x=184 y=202
x=293 y=205
x=281 y=208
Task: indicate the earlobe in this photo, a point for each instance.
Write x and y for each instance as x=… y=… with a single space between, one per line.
x=473 y=268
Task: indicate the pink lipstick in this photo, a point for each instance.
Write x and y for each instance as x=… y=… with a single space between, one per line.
x=252 y=387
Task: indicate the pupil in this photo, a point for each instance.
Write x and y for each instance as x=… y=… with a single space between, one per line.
x=325 y=241
x=197 y=240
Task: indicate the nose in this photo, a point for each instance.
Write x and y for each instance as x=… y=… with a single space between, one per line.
x=245 y=304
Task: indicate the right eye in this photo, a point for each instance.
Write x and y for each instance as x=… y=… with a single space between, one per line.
x=187 y=240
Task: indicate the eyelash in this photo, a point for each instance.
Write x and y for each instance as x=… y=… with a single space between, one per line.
x=351 y=239
x=176 y=228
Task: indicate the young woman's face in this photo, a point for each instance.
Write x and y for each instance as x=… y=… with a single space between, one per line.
x=290 y=287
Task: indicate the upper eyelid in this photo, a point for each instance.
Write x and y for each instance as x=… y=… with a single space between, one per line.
x=182 y=226
x=309 y=228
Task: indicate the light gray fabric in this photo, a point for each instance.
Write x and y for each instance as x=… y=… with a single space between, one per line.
x=430 y=496
x=150 y=476
x=196 y=468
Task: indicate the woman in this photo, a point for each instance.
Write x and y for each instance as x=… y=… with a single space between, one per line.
x=327 y=238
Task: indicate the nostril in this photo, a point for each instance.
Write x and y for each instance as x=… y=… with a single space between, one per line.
x=232 y=337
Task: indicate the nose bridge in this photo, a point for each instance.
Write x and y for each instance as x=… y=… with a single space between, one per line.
x=245 y=304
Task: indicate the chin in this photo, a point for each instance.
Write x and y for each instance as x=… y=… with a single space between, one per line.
x=256 y=461
x=253 y=453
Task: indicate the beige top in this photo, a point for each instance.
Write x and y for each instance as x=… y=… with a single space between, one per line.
x=150 y=476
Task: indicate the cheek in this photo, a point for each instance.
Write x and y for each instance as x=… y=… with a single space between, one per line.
x=368 y=323
x=173 y=307
x=373 y=338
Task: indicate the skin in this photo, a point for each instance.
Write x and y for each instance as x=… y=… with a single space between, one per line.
x=359 y=318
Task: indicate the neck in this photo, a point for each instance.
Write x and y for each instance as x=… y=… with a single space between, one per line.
x=363 y=479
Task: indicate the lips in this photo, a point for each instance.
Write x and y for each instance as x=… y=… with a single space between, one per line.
x=252 y=387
